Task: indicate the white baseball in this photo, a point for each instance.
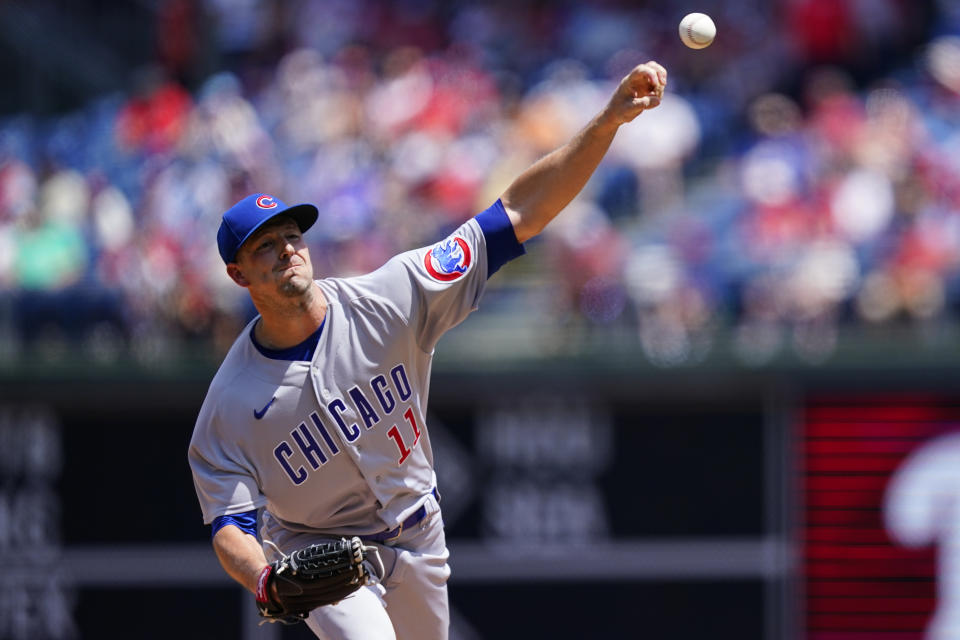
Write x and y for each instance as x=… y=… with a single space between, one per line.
x=697 y=30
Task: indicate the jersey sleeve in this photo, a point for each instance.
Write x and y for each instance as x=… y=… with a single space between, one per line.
x=224 y=484
x=499 y=236
x=434 y=288
x=246 y=522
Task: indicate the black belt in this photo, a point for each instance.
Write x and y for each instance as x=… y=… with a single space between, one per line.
x=393 y=534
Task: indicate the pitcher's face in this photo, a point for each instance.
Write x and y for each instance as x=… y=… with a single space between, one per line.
x=275 y=260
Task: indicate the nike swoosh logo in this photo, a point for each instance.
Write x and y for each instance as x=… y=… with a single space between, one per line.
x=259 y=414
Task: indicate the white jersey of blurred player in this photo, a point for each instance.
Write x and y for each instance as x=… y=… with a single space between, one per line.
x=339 y=445
x=921 y=508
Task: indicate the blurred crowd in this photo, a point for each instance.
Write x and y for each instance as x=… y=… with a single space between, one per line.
x=802 y=176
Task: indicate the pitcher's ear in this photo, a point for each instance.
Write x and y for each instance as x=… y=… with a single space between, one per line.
x=233 y=270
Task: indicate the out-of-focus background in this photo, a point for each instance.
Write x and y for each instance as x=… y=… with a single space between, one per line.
x=717 y=398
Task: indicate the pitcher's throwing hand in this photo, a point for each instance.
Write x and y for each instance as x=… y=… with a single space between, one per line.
x=641 y=89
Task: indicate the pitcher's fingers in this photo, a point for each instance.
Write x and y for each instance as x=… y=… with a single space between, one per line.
x=644 y=71
x=646 y=102
x=659 y=70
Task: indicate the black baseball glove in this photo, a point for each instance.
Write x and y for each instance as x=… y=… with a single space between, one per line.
x=311 y=577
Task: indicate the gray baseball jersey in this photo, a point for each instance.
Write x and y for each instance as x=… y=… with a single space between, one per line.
x=339 y=444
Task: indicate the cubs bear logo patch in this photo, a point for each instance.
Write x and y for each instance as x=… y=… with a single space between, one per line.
x=448 y=260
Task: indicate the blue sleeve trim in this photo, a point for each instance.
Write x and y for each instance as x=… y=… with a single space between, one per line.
x=246 y=522
x=502 y=245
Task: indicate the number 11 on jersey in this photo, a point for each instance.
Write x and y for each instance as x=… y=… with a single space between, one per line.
x=394 y=432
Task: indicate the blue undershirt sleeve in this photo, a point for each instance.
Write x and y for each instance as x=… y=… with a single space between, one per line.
x=246 y=522
x=502 y=245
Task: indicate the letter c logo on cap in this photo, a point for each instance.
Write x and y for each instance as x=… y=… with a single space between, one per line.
x=266 y=202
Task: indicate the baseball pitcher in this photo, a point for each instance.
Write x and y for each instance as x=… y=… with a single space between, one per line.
x=311 y=454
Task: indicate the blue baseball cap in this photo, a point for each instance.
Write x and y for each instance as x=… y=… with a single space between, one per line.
x=244 y=218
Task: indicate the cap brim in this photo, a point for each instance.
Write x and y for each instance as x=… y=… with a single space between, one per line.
x=303 y=214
